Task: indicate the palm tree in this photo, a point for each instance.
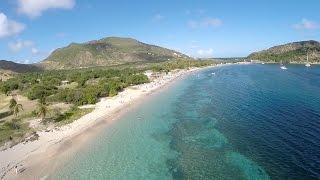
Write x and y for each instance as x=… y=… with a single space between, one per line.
x=42 y=112
x=42 y=108
x=15 y=107
x=12 y=104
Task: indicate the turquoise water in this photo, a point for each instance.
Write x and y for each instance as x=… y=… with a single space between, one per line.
x=244 y=122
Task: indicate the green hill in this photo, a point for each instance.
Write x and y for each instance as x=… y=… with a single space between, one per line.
x=10 y=66
x=8 y=69
x=107 y=52
x=291 y=52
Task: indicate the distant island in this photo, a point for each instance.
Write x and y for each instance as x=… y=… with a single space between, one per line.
x=295 y=52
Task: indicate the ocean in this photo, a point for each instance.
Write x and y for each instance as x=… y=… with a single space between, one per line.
x=230 y=122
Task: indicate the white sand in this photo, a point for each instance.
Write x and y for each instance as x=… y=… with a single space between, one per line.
x=105 y=109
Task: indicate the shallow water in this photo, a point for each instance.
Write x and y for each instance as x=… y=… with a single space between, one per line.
x=244 y=122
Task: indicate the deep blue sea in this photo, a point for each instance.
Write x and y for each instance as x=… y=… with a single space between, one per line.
x=231 y=122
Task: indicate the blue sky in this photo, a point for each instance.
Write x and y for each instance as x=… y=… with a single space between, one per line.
x=31 y=29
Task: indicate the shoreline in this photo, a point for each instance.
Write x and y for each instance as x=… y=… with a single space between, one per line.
x=106 y=111
x=293 y=63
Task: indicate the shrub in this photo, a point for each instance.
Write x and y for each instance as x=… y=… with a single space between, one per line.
x=41 y=91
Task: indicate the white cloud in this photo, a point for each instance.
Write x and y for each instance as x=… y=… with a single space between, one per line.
x=34 y=51
x=27 y=61
x=205 y=52
x=9 y=27
x=206 y=22
x=193 y=24
x=158 y=17
x=19 y=45
x=26 y=45
x=34 y=8
x=212 y=22
x=306 y=24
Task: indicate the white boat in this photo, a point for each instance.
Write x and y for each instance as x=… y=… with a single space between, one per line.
x=283 y=67
x=307 y=64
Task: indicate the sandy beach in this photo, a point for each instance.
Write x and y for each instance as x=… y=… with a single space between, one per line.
x=44 y=150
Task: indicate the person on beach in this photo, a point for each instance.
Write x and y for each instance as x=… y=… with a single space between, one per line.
x=16 y=169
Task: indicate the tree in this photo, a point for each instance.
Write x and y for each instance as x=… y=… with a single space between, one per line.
x=41 y=91
x=12 y=104
x=15 y=108
x=42 y=109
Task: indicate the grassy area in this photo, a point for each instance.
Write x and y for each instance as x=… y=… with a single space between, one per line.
x=72 y=85
x=5 y=75
x=16 y=130
x=13 y=131
x=4 y=100
x=28 y=107
x=71 y=115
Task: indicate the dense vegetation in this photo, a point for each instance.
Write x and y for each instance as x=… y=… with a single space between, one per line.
x=90 y=83
x=292 y=52
x=47 y=84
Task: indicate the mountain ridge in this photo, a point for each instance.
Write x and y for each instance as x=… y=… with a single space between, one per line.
x=107 y=52
x=290 y=52
x=6 y=65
